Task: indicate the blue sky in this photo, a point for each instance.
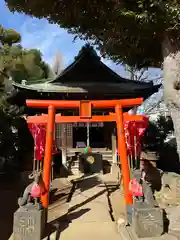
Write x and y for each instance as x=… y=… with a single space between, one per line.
x=49 y=38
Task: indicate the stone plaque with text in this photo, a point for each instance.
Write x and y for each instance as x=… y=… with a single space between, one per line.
x=28 y=224
x=147 y=221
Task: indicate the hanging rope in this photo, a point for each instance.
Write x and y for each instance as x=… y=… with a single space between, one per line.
x=88 y=135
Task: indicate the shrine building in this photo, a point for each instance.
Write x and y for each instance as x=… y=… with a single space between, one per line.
x=87 y=78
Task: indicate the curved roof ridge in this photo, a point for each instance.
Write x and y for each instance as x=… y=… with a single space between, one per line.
x=88 y=58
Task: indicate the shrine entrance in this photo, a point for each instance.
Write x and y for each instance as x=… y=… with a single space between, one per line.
x=79 y=136
x=91 y=134
x=85 y=115
x=96 y=136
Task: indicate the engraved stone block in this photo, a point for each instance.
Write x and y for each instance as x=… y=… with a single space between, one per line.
x=28 y=224
x=147 y=221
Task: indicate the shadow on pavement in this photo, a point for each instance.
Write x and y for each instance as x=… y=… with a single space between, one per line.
x=59 y=225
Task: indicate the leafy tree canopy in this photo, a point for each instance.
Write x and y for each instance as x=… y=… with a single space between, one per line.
x=16 y=142
x=131 y=31
x=17 y=62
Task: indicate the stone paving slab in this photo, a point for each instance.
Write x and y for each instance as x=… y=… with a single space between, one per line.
x=89 y=216
x=59 y=206
x=83 y=197
x=94 y=211
x=87 y=231
x=126 y=233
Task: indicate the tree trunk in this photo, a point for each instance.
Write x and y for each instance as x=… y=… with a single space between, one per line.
x=171 y=65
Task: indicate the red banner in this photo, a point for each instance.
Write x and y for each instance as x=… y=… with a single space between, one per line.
x=38 y=132
x=134 y=131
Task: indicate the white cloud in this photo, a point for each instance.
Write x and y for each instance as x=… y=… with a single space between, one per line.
x=49 y=38
x=40 y=35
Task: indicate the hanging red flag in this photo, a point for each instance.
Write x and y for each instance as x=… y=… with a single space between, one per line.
x=38 y=132
x=134 y=131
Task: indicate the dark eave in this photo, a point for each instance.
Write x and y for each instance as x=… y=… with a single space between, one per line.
x=89 y=87
x=88 y=68
x=89 y=75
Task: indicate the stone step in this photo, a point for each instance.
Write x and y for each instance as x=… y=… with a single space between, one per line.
x=107 y=155
x=73 y=151
x=109 y=158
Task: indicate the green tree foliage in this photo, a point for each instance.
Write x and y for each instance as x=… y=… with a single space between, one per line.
x=9 y=36
x=158 y=137
x=157 y=132
x=129 y=31
x=20 y=63
x=139 y=33
x=16 y=143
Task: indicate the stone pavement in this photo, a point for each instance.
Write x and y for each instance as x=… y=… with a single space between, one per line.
x=90 y=212
x=126 y=233
x=88 y=215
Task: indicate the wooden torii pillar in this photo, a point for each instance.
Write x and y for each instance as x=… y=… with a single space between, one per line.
x=85 y=115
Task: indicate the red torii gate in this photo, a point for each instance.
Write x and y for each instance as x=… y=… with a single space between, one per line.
x=85 y=115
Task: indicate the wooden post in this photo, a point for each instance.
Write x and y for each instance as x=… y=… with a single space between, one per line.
x=48 y=155
x=122 y=153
